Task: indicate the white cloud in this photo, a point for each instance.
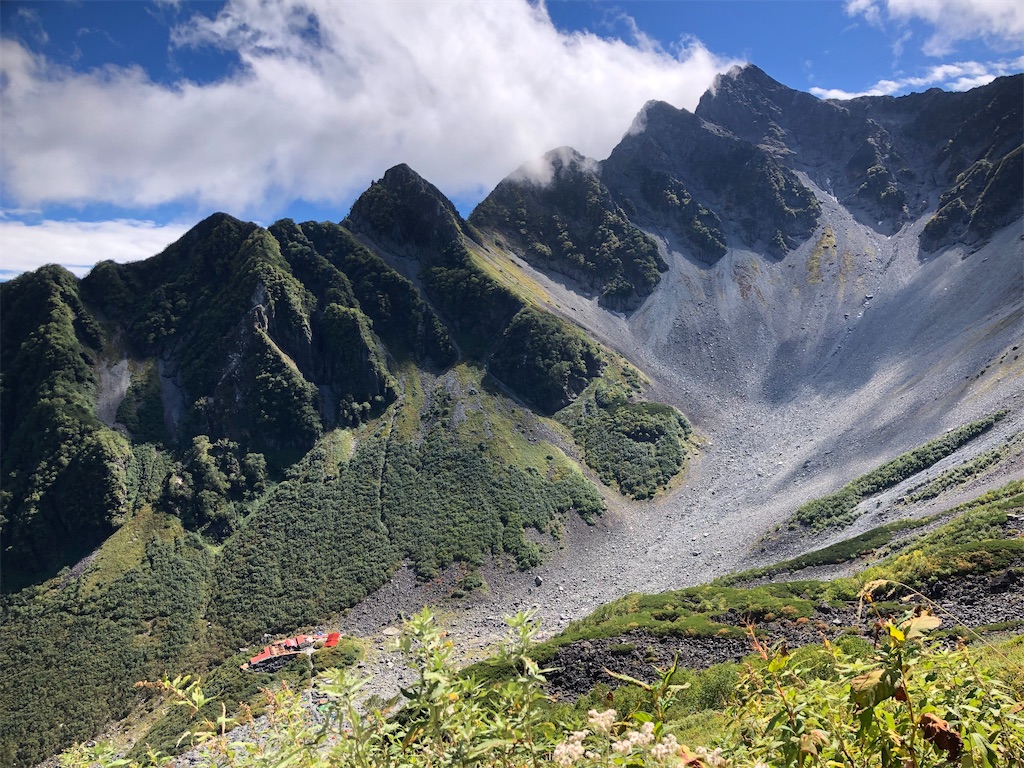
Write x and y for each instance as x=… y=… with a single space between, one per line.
x=541 y=170
x=960 y=76
x=329 y=95
x=867 y=8
x=79 y=245
x=999 y=22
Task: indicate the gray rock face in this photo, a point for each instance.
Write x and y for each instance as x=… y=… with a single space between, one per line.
x=888 y=159
x=708 y=185
x=738 y=172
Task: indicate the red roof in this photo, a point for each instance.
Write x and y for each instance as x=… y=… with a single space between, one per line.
x=290 y=646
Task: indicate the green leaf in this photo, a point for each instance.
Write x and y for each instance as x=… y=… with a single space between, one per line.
x=872 y=688
x=628 y=679
x=981 y=746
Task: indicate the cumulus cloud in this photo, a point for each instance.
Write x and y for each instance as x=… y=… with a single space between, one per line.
x=960 y=76
x=999 y=22
x=327 y=96
x=79 y=245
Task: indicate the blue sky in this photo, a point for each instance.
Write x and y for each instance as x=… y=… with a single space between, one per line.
x=124 y=123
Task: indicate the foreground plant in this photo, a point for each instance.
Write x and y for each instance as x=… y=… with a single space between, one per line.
x=910 y=704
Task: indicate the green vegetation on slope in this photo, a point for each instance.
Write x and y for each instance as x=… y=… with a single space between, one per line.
x=698 y=225
x=572 y=226
x=317 y=546
x=231 y=687
x=328 y=258
x=477 y=306
x=638 y=446
x=841 y=552
x=545 y=360
x=984 y=197
x=214 y=486
x=905 y=701
x=973 y=542
x=65 y=482
x=246 y=350
x=839 y=508
x=957 y=476
x=142 y=410
x=1006 y=498
x=74 y=647
x=473 y=478
x=156 y=599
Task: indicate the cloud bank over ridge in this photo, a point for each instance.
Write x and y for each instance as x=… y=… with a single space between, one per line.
x=325 y=98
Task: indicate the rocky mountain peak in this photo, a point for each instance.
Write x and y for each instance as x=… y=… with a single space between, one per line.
x=554 y=166
x=559 y=215
x=761 y=110
x=405 y=212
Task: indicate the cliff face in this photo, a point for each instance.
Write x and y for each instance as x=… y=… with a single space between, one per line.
x=891 y=159
x=708 y=186
x=732 y=174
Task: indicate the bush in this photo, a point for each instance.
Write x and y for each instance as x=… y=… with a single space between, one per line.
x=638 y=446
x=908 y=703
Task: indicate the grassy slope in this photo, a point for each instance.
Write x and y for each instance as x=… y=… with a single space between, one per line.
x=839 y=508
x=974 y=541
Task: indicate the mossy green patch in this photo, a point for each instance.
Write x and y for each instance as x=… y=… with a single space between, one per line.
x=636 y=445
x=839 y=508
x=825 y=249
x=126 y=548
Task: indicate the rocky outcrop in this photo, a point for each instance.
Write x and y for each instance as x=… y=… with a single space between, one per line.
x=708 y=185
x=559 y=214
x=406 y=213
x=890 y=158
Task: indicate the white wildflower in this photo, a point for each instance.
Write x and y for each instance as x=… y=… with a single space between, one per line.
x=667 y=746
x=622 y=747
x=714 y=759
x=602 y=721
x=567 y=753
x=642 y=737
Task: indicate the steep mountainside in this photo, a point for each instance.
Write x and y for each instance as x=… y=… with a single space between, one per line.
x=569 y=223
x=279 y=417
x=889 y=158
x=258 y=428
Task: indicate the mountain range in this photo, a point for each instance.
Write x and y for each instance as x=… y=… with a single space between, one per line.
x=740 y=309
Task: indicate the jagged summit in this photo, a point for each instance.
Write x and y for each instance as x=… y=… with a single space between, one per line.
x=405 y=211
x=552 y=165
x=560 y=214
x=758 y=108
x=889 y=159
x=731 y=172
